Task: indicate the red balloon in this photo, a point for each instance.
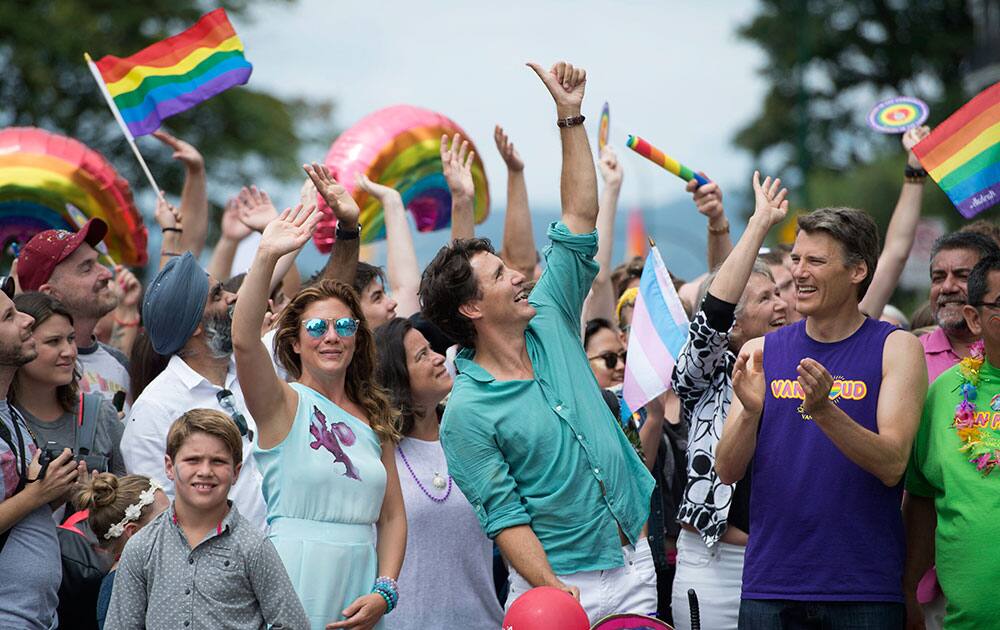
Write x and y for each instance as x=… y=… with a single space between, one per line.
x=546 y=608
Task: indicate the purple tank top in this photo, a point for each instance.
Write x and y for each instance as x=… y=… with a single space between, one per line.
x=823 y=528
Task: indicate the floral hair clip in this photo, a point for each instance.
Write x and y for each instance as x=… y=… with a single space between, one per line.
x=134 y=511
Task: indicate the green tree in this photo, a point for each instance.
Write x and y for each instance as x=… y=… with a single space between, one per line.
x=246 y=135
x=829 y=61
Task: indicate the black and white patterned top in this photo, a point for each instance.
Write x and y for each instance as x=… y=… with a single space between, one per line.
x=703 y=380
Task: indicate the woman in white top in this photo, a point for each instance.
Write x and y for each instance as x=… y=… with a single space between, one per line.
x=447 y=580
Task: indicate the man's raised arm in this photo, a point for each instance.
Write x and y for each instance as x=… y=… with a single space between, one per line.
x=578 y=183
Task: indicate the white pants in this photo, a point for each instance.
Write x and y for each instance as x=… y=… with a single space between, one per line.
x=627 y=589
x=716 y=575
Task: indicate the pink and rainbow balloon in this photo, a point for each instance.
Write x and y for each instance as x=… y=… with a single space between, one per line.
x=400 y=147
x=48 y=181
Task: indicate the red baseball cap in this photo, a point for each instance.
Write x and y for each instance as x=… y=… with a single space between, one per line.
x=47 y=249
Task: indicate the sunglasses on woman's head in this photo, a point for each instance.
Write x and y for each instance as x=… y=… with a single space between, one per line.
x=343 y=326
x=610 y=358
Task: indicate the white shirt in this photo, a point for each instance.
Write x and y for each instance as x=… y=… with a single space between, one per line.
x=176 y=390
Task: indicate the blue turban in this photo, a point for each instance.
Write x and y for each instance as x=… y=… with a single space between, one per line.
x=175 y=304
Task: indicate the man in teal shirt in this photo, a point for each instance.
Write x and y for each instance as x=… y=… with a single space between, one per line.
x=527 y=434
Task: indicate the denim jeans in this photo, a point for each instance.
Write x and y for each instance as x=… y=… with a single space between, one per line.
x=775 y=614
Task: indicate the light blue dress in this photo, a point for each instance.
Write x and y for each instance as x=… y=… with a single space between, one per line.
x=324 y=486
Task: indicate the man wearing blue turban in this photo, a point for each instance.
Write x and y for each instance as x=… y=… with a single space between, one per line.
x=188 y=317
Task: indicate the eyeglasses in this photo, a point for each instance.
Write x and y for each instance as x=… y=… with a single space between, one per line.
x=228 y=402
x=343 y=326
x=610 y=358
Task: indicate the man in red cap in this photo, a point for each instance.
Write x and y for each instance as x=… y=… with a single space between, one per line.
x=65 y=265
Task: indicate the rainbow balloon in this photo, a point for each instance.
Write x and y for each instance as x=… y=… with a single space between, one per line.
x=663 y=160
x=48 y=181
x=398 y=146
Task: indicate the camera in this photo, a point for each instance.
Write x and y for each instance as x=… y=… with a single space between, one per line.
x=52 y=450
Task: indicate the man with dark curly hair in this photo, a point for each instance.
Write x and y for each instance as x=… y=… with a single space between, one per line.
x=526 y=432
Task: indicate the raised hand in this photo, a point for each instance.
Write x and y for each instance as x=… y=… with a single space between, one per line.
x=507 y=151
x=770 y=199
x=184 y=153
x=233 y=229
x=255 y=208
x=816 y=383
x=707 y=198
x=910 y=139
x=566 y=85
x=610 y=167
x=379 y=191
x=748 y=380
x=362 y=614
x=167 y=216
x=336 y=196
x=307 y=194
x=290 y=231
x=128 y=287
x=456 y=162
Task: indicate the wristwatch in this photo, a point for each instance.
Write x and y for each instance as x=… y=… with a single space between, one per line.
x=914 y=175
x=347 y=235
x=572 y=121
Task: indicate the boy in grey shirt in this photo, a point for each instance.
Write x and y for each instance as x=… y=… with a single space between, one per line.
x=200 y=564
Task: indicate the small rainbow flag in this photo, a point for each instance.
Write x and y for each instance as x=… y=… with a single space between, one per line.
x=963 y=154
x=175 y=74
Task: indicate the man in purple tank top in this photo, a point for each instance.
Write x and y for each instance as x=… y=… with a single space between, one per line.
x=826 y=409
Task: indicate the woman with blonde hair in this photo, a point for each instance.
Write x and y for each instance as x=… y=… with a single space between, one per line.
x=326 y=441
x=117 y=508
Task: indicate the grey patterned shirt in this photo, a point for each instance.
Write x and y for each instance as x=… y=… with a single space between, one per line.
x=234 y=578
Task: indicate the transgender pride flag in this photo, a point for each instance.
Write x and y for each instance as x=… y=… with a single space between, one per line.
x=658 y=331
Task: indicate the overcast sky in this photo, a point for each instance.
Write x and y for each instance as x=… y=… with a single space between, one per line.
x=673 y=72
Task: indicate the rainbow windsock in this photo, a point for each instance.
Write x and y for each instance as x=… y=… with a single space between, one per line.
x=659 y=329
x=663 y=160
x=963 y=154
x=175 y=74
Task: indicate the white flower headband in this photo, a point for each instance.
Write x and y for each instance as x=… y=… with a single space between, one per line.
x=134 y=511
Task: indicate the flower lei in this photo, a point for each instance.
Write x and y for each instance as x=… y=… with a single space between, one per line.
x=982 y=447
x=134 y=511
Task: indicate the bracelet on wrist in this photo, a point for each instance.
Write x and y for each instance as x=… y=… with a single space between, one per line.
x=347 y=235
x=572 y=121
x=169 y=254
x=128 y=324
x=914 y=175
x=719 y=230
x=172 y=229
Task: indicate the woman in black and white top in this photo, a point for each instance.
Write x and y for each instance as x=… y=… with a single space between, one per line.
x=741 y=303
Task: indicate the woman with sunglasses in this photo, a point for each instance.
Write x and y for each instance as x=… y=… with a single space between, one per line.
x=447 y=581
x=605 y=352
x=325 y=441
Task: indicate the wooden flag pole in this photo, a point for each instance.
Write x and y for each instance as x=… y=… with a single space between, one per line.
x=121 y=123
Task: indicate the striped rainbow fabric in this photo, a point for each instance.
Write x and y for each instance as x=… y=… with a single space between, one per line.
x=963 y=154
x=177 y=73
x=658 y=331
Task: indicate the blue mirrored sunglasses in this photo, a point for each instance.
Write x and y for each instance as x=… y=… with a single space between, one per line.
x=343 y=326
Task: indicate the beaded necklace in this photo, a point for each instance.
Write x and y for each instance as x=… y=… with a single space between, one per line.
x=981 y=446
x=438 y=480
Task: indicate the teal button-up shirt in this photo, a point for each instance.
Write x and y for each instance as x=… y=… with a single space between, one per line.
x=547 y=452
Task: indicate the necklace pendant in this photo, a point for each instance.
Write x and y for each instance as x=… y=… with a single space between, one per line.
x=995 y=403
x=439 y=481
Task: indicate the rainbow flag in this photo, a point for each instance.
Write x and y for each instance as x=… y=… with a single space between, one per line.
x=175 y=74
x=658 y=331
x=963 y=154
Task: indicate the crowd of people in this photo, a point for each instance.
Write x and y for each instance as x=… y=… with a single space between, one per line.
x=408 y=449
